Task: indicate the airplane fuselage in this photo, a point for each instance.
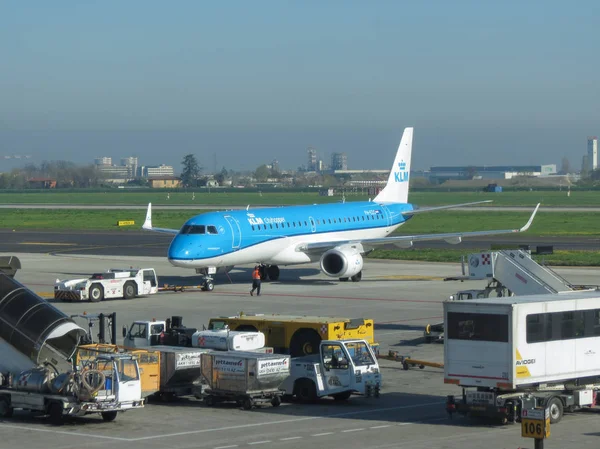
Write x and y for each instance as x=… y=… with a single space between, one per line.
x=272 y=235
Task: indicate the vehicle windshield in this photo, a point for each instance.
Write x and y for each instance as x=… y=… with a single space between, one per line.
x=127 y=370
x=360 y=354
x=216 y=325
x=193 y=229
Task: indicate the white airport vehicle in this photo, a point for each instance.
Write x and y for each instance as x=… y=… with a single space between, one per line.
x=105 y=385
x=248 y=378
x=340 y=369
x=37 y=344
x=523 y=352
x=114 y=283
x=171 y=331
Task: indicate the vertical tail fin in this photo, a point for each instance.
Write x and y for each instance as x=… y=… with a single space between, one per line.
x=396 y=189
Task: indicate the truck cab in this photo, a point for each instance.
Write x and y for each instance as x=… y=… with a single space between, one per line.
x=122 y=378
x=144 y=333
x=340 y=369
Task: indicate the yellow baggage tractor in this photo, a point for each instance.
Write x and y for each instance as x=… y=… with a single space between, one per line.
x=299 y=335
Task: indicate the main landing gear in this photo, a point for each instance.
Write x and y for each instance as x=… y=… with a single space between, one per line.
x=269 y=272
x=356 y=278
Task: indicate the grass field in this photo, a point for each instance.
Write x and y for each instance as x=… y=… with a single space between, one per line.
x=559 y=258
x=547 y=198
x=545 y=224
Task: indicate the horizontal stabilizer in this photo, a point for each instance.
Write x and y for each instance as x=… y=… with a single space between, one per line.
x=450 y=206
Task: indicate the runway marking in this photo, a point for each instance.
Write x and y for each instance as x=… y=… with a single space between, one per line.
x=226 y=447
x=221 y=429
x=60 y=432
x=381 y=427
x=322 y=434
x=292 y=295
x=47 y=244
x=408 y=277
x=352 y=430
x=259 y=442
x=289 y=438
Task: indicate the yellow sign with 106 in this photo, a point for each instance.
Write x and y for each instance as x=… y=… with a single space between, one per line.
x=535 y=424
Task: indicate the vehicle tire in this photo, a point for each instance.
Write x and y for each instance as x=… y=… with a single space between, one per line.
x=556 y=410
x=129 y=290
x=55 y=413
x=96 y=293
x=342 y=396
x=344 y=279
x=208 y=286
x=109 y=416
x=6 y=411
x=305 y=391
x=276 y=401
x=304 y=342
x=209 y=401
x=273 y=272
x=247 y=404
x=357 y=277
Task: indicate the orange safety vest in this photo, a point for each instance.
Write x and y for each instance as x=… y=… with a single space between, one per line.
x=256 y=274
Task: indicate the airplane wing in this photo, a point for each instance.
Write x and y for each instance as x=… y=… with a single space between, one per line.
x=406 y=241
x=148 y=224
x=451 y=206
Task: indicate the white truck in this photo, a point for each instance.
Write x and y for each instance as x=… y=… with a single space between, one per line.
x=516 y=353
x=114 y=283
x=37 y=343
x=340 y=369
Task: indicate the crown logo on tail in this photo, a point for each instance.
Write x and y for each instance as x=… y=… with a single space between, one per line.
x=402 y=165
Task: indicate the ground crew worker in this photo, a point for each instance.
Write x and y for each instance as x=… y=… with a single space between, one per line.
x=255 y=281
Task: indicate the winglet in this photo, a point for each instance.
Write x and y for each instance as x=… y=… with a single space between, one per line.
x=528 y=224
x=148 y=223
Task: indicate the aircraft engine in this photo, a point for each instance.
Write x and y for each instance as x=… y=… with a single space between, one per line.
x=341 y=262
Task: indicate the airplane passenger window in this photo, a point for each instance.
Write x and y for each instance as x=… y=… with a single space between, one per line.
x=363 y=218
x=212 y=229
x=305 y=223
x=288 y=223
x=253 y=227
x=276 y=225
x=271 y=226
x=330 y=221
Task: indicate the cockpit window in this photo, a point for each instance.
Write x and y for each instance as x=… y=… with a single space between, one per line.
x=212 y=229
x=193 y=229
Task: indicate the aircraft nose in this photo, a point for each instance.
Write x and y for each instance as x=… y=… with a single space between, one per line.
x=179 y=250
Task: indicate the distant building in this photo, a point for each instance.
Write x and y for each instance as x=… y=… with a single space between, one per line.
x=339 y=161
x=165 y=182
x=158 y=171
x=592 y=153
x=42 y=183
x=312 y=159
x=442 y=174
x=103 y=161
x=132 y=163
x=114 y=171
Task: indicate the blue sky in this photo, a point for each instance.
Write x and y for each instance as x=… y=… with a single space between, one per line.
x=482 y=82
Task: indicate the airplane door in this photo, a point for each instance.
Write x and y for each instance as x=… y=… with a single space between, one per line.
x=387 y=214
x=235 y=231
x=313 y=227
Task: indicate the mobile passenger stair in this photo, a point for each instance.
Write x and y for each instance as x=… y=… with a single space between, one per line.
x=509 y=273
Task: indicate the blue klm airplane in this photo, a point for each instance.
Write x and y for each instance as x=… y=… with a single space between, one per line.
x=336 y=235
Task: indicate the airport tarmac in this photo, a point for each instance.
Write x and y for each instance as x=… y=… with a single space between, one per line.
x=402 y=297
